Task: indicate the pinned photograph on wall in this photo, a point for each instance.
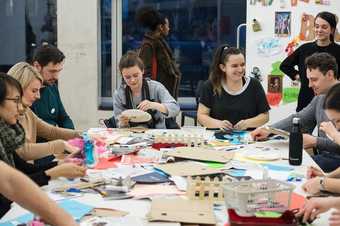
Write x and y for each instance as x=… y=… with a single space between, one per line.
x=274 y=84
x=282 y=24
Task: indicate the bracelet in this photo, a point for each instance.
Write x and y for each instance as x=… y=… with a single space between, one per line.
x=322 y=184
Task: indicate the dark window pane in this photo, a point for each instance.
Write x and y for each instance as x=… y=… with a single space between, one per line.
x=24 y=25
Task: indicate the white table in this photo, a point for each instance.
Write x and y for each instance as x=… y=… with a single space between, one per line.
x=139 y=208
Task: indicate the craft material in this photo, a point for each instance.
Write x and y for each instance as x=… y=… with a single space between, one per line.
x=247 y=197
x=136 y=115
x=181 y=210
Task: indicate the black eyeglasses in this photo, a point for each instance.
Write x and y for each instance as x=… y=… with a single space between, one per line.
x=16 y=100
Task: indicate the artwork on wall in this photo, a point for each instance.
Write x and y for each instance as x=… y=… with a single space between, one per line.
x=293 y=44
x=267 y=47
x=307 y=27
x=274 y=84
x=282 y=24
x=274 y=90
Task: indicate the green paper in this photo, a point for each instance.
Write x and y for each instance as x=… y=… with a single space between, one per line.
x=268 y=214
x=215 y=165
x=290 y=94
x=276 y=69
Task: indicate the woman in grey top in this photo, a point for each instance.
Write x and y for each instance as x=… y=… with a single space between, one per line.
x=143 y=94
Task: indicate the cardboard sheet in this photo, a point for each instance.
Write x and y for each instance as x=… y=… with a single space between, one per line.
x=201 y=154
x=182 y=210
x=187 y=169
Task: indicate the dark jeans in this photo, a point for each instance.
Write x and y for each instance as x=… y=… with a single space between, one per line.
x=327 y=161
x=44 y=161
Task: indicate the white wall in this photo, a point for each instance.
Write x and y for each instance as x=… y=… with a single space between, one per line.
x=266 y=17
x=79 y=39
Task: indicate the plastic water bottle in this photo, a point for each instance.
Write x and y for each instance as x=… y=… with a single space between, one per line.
x=295 y=143
x=90 y=158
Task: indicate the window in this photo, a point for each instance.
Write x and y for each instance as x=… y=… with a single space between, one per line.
x=25 y=24
x=196 y=29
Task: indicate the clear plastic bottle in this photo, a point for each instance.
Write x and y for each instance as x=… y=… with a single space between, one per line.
x=89 y=151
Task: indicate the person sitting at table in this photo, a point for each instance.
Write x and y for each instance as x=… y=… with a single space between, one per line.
x=20 y=189
x=322 y=71
x=140 y=93
x=315 y=206
x=229 y=99
x=31 y=82
x=321 y=181
x=12 y=137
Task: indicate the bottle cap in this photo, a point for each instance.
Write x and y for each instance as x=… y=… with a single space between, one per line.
x=296 y=120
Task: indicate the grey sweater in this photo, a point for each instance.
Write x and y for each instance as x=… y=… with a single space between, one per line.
x=312 y=115
x=158 y=93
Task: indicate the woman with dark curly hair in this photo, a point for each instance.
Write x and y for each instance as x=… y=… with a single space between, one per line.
x=155 y=52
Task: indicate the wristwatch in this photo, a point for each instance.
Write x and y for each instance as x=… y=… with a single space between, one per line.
x=322 y=184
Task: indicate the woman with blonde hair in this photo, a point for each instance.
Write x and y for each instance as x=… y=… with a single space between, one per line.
x=34 y=127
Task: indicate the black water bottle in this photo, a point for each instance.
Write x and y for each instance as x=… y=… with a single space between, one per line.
x=295 y=143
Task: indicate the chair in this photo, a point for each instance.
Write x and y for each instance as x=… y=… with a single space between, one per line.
x=190 y=109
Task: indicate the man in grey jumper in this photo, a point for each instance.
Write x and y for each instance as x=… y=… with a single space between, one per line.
x=322 y=71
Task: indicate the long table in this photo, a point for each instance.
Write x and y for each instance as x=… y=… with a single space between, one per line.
x=139 y=208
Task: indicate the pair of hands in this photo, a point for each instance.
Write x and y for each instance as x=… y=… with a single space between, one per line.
x=312 y=186
x=143 y=106
x=316 y=206
x=68 y=170
x=225 y=124
x=262 y=133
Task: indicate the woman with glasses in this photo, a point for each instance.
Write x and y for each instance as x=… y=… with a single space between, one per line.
x=12 y=137
x=324 y=28
x=31 y=82
x=321 y=181
x=229 y=99
x=143 y=94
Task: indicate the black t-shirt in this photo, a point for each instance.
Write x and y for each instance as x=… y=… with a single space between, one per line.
x=298 y=58
x=249 y=103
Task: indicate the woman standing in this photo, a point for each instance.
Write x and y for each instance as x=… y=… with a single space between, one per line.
x=324 y=27
x=155 y=52
x=229 y=99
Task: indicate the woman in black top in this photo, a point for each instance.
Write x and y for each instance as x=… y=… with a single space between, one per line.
x=12 y=136
x=229 y=99
x=324 y=26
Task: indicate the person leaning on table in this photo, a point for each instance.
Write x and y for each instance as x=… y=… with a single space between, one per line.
x=322 y=71
x=17 y=187
x=321 y=181
x=31 y=82
x=12 y=137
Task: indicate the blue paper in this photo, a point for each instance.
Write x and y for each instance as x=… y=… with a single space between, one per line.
x=76 y=209
x=277 y=167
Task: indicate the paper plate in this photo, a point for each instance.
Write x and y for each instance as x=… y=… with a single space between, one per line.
x=136 y=115
x=262 y=155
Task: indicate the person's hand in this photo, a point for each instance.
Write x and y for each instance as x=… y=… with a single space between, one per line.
x=313 y=207
x=68 y=170
x=312 y=186
x=297 y=77
x=334 y=219
x=70 y=148
x=223 y=124
x=260 y=133
x=329 y=129
x=309 y=141
x=241 y=125
x=147 y=105
x=314 y=172
x=123 y=120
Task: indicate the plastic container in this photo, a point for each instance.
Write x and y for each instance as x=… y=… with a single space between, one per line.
x=248 y=197
x=287 y=219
